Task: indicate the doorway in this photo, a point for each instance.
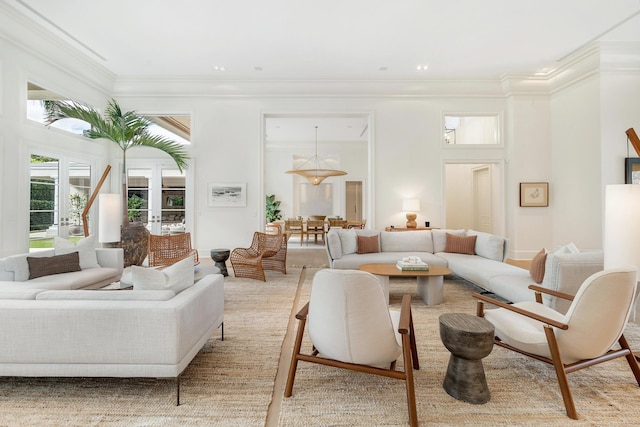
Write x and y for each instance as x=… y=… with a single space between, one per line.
x=353 y=201
x=473 y=197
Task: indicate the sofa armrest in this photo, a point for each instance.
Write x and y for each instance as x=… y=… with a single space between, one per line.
x=111 y=257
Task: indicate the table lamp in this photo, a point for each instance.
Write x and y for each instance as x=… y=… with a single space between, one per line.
x=411 y=206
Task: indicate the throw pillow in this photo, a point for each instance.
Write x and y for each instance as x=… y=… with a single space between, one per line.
x=440 y=238
x=176 y=277
x=461 y=244
x=368 y=245
x=57 y=264
x=86 y=248
x=536 y=270
x=488 y=245
x=349 y=240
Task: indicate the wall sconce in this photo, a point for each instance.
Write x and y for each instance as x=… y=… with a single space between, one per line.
x=110 y=213
x=411 y=207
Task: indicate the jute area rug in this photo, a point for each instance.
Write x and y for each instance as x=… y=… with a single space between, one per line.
x=240 y=381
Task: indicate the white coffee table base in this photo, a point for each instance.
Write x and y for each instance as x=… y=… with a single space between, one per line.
x=430 y=289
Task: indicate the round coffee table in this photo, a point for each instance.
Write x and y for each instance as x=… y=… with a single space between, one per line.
x=220 y=256
x=429 y=282
x=469 y=339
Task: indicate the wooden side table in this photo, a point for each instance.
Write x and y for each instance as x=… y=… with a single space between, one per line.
x=469 y=339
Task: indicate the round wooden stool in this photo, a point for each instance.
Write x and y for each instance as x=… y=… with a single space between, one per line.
x=469 y=339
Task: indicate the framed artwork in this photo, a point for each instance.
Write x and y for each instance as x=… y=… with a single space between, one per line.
x=632 y=170
x=227 y=195
x=534 y=194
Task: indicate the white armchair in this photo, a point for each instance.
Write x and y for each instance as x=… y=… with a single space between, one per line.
x=351 y=327
x=582 y=337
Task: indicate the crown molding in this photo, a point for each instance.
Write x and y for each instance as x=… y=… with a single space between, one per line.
x=25 y=33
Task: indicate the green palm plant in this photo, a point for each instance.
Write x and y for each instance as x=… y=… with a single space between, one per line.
x=127 y=130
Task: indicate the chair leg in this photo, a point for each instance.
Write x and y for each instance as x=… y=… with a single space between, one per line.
x=560 y=373
x=414 y=347
x=631 y=359
x=294 y=358
x=411 y=395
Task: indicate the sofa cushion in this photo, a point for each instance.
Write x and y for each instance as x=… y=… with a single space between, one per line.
x=461 y=244
x=16 y=293
x=348 y=240
x=46 y=266
x=368 y=244
x=176 y=277
x=536 y=270
x=333 y=244
x=488 y=245
x=19 y=265
x=111 y=295
x=440 y=238
x=86 y=248
x=406 y=241
x=89 y=278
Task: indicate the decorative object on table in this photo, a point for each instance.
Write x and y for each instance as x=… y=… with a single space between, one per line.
x=267 y=252
x=231 y=195
x=127 y=130
x=412 y=263
x=583 y=337
x=534 y=194
x=469 y=339
x=359 y=334
x=219 y=256
x=314 y=169
x=411 y=207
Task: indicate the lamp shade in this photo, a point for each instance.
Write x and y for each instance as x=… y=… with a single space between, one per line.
x=622 y=226
x=410 y=205
x=110 y=213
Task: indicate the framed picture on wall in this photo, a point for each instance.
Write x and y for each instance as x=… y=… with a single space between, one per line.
x=534 y=194
x=227 y=195
x=632 y=170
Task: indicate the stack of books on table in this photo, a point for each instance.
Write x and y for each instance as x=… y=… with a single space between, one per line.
x=412 y=265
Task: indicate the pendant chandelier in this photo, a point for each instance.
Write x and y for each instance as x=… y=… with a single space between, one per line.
x=316 y=175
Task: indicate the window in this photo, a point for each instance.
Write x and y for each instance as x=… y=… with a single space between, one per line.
x=471 y=129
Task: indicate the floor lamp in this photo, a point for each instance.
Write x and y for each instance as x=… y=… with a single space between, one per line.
x=622 y=228
x=110 y=212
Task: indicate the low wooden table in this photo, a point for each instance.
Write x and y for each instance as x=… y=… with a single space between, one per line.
x=429 y=282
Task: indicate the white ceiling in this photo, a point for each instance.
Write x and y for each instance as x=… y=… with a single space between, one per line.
x=333 y=39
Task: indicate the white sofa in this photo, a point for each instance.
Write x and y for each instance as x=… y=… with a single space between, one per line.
x=487 y=268
x=98 y=270
x=107 y=333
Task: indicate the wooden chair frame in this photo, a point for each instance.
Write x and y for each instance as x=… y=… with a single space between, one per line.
x=169 y=249
x=315 y=228
x=267 y=252
x=294 y=226
x=409 y=355
x=561 y=368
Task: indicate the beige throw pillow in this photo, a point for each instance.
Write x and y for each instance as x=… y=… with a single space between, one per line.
x=176 y=277
x=85 y=247
x=536 y=270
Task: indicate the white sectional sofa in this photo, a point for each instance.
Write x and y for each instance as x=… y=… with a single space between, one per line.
x=107 y=333
x=487 y=268
x=104 y=267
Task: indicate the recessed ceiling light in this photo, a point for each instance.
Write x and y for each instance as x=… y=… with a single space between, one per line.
x=257 y=68
x=382 y=69
x=218 y=68
x=422 y=67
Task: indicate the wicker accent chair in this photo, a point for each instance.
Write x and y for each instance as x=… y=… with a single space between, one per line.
x=166 y=250
x=267 y=252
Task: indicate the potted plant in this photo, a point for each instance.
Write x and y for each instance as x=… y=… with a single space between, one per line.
x=127 y=130
x=77 y=202
x=273 y=209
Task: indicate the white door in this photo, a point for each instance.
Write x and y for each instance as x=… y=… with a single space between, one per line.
x=482 y=201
